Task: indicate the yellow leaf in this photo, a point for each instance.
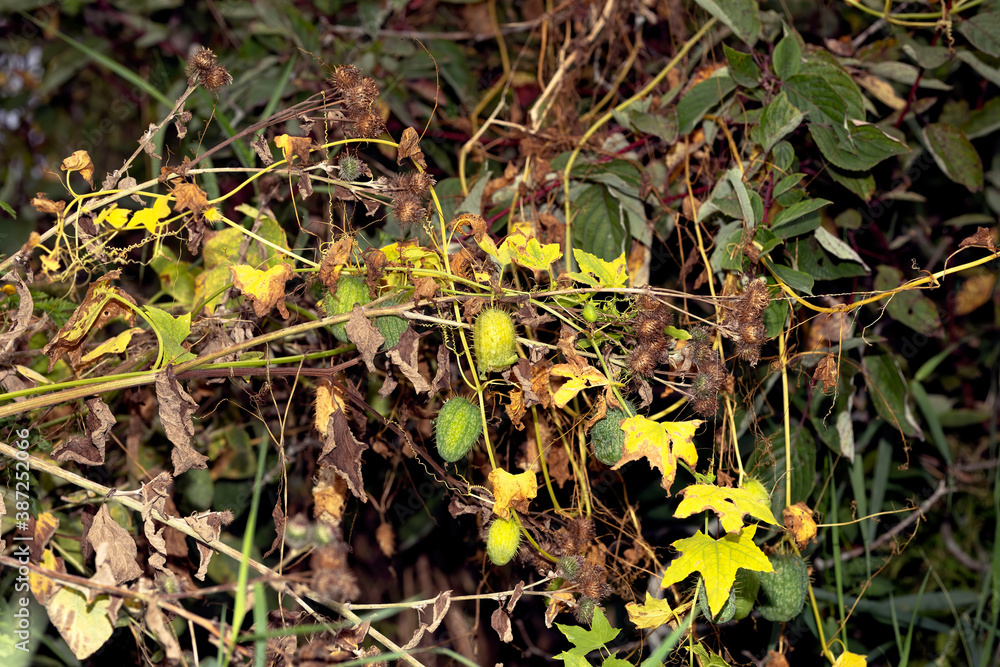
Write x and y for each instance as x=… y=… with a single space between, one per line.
x=662 y=443
x=974 y=292
x=595 y=271
x=150 y=217
x=509 y=489
x=717 y=560
x=114 y=345
x=266 y=289
x=652 y=614
x=84 y=625
x=848 y=659
x=730 y=504
x=501 y=254
x=579 y=379
x=533 y=255
x=50 y=263
x=113 y=216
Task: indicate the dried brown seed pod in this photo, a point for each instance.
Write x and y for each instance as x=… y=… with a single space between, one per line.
x=216 y=78
x=201 y=62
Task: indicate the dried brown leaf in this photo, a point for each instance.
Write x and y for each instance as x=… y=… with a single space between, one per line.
x=500 y=622
x=365 y=336
x=342 y=452
x=409 y=147
x=80 y=161
x=22 y=319
x=336 y=256
x=89 y=449
x=405 y=358
x=119 y=551
x=983 y=237
x=176 y=408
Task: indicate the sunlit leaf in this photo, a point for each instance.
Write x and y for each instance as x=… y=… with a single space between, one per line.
x=663 y=444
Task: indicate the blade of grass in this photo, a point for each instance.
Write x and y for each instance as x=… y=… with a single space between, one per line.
x=904 y=653
x=105 y=62
x=239 y=607
x=669 y=644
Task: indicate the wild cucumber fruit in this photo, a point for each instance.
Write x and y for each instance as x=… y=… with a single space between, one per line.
x=739 y=604
x=350 y=290
x=493 y=337
x=746 y=587
x=392 y=326
x=607 y=437
x=783 y=591
x=457 y=428
x=503 y=540
x=590 y=312
x=725 y=614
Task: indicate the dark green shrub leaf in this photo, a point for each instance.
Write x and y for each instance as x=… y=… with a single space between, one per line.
x=702 y=97
x=955 y=155
x=742 y=67
x=739 y=15
x=889 y=392
x=983 y=31
x=599 y=226
x=911 y=307
x=797 y=280
x=787 y=56
x=779 y=119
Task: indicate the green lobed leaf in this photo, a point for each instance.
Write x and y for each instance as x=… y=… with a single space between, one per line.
x=955 y=155
x=173 y=331
x=584 y=641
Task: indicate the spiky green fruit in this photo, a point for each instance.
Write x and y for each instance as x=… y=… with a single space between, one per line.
x=744 y=593
x=783 y=592
x=503 y=540
x=590 y=312
x=350 y=290
x=740 y=601
x=392 y=326
x=457 y=428
x=607 y=437
x=493 y=337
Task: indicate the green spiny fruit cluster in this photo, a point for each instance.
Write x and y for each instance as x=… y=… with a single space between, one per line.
x=457 y=428
x=783 y=592
x=350 y=290
x=607 y=437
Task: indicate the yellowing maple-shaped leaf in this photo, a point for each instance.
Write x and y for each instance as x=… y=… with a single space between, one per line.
x=848 y=659
x=512 y=490
x=113 y=216
x=730 y=504
x=579 y=379
x=594 y=271
x=532 y=255
x=717 y=560
x=652 y=613
x=266 y=289
x=412 y=254
x=661 y=443
x=150 y=217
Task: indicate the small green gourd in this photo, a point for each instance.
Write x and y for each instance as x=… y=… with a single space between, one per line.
x=493 y=337
x=783 y=592
x=503 y=540
x=607 y=437
x=350 y=290
x=457 y=428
